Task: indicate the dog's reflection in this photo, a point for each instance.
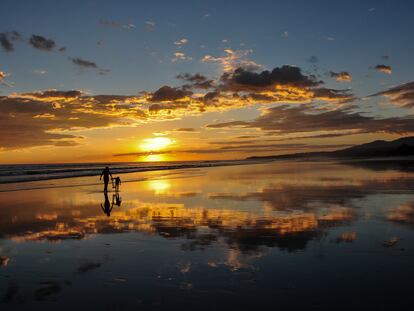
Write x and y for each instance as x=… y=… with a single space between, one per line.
x=107 y=206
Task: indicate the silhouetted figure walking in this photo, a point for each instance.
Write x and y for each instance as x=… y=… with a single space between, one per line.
x=107 y=206
x=105 y=173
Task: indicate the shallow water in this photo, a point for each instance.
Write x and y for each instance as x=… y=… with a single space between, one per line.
x=280 y=235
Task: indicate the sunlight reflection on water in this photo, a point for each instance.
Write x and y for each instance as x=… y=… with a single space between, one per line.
x=245 y=234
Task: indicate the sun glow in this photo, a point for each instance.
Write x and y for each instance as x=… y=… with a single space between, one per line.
x=155 y=144
x=154 y=158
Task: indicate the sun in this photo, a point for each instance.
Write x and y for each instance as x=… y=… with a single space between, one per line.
x=155 y=144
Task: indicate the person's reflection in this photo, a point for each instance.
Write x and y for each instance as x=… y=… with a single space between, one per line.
x=107 y=206
x=116 y=199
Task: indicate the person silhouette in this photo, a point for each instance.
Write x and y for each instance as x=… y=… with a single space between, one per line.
x=105 y=173
x=107 y=206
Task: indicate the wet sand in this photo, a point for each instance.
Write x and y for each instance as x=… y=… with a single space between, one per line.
x=280 y=235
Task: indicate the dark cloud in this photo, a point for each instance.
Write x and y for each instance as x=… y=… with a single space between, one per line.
x=116 y=24
x=259 y=148
x=83 y=63
x=196 y=81
x=168 y=106
x=402 y=95
x=185 y=129
x=332 y=94
x=102 y=72
x=286 y=75
x=42 y=43
x=384 y=69
x=7 y=38
x=285 y=84
x=210 y=96
x=54 y=93
x=342 y=76
x=249 y=139
x=284 y=119
x=167 y=93
x=229 y=124
x=198 y=77
x=6 y=44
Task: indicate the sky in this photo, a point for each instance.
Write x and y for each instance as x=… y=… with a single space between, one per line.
x=113 y=81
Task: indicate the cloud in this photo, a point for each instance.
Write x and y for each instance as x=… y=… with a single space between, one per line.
x=401 y=95
x=40 y=71
x=42 y=43
x=255 y=148
x=332 y=94
x=167 y=93
x=233 y=60
x=252 y=140
x=384 y=69
x=181 y=42
x=52 y=117
x=242 y=79
x=149 y=26
x=116 y=24
x=180 y=56
x=53 y=94
x=7 y=39
x=211 y=97
x=83 y=63
x=283 y=84
x=195 y=81
x=3 y=75
x=285 y=120
x=6 y=44
x=185 y=129
x=342 y=76
x=168 y=107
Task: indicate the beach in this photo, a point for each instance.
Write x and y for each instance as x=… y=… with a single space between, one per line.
x=316 y=235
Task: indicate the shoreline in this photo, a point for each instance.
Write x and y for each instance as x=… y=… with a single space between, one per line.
x=126 y=170
x=38 y=184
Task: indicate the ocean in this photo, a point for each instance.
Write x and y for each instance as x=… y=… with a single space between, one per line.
x=35 y=172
